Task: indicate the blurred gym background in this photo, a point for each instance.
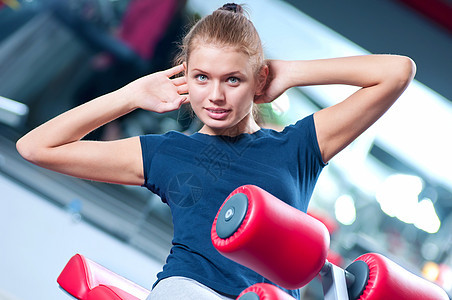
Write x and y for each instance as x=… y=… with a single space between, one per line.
x=389 y=192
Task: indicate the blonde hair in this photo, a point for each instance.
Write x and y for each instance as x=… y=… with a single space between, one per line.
x=228 y=26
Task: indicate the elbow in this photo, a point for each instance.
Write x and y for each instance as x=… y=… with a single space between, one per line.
x=406 y=70
x=23 y=149
x=409 y=67
x=27 y=150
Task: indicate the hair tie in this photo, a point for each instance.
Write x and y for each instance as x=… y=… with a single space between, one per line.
x=232 y=7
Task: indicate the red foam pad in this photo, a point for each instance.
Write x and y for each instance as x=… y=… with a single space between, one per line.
x=74 y=278
x=106 y=292
x=330 y=223
x=81 y=275
x=335 y=258
x=388 y=280
x=266 y=291
x=279 y=242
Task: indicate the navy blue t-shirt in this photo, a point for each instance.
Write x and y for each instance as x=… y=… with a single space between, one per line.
x=194 y=175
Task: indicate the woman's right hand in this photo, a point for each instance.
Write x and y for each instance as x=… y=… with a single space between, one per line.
x=158 y=92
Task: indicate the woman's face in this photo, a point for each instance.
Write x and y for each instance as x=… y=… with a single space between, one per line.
x=222 y=85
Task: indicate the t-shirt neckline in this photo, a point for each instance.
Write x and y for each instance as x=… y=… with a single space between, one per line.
x=227 y=137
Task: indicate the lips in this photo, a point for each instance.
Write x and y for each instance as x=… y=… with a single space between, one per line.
x=217 y=113
x=217 y=110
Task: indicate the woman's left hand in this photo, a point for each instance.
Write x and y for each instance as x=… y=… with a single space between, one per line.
x=276 y=82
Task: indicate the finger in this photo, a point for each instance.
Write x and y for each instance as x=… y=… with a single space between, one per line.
x=173 y=105
x=174 y=70
x=179 y=81
x=184 y=99
x=182 y=89
x=181 y=100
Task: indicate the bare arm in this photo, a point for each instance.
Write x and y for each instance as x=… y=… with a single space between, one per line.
x=57 y=144
x=382 y=79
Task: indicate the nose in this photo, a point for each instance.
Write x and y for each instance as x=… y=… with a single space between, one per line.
x=216 y=92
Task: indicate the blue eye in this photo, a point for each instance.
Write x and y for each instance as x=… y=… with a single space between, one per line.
x=234 y=80
x=201 y=77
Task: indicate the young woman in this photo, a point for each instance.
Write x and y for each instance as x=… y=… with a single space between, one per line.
x=225 y=75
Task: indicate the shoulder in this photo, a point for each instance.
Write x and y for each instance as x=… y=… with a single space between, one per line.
x=303 y=136
x=152 y=142
x=168 y=136
x=302 y=127
x=299 y=131
x=307 y=123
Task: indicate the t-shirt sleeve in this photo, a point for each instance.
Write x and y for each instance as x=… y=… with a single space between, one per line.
x=149 y=146
x=307 y=137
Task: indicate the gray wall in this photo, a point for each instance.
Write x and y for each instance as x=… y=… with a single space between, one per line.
x=387 y=26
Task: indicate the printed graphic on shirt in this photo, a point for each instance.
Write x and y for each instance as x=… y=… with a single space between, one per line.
x=214 y=161
x=185 y=190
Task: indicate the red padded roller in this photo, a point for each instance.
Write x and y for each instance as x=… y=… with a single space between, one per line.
x=75 y=279
x=81 y=275
x=329 y=221
x=388 y=280
x=105 y=292
x=279 y=242
x=264 y=291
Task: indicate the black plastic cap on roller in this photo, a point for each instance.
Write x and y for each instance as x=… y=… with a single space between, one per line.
x=232 y=215
x=249 y=296
x=361 y=272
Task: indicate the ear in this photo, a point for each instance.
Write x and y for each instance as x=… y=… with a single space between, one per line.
x=262 y=80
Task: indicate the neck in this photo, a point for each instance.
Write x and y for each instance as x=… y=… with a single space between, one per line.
x=248 y=127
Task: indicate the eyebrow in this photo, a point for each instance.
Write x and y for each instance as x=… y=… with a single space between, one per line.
x=227 y=74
